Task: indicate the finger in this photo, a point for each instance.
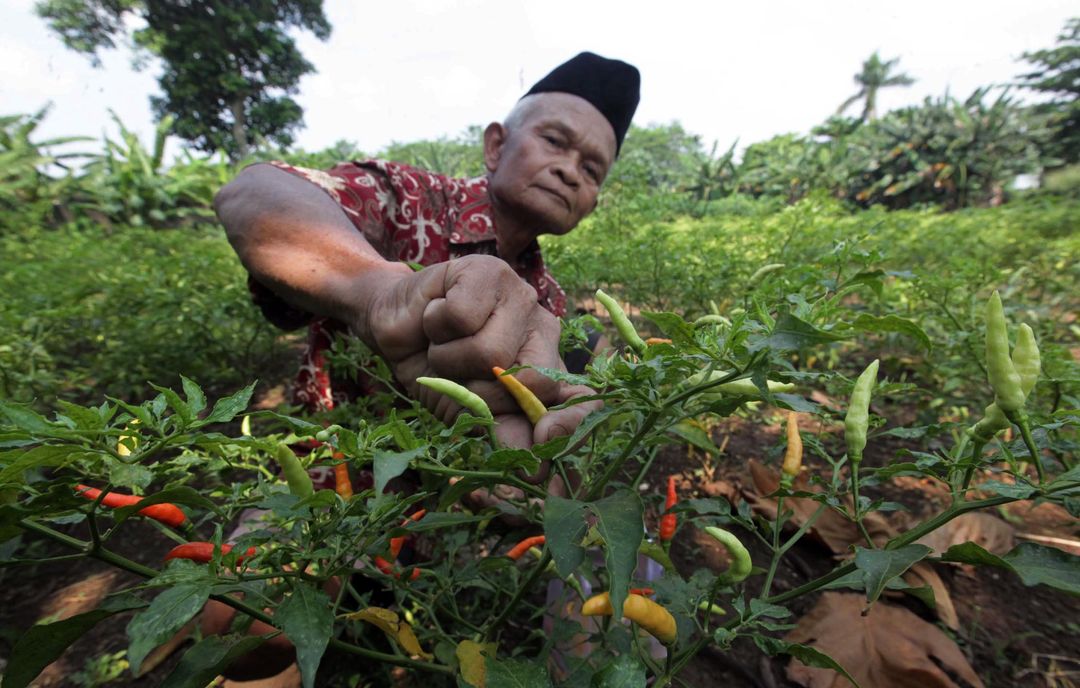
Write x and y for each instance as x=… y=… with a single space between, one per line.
x=396 y=317
x=474 y=288
x=497 y=343
x=563 y=422
x=514 y=431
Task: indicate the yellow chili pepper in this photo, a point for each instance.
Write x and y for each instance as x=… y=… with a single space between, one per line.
x=532 y=406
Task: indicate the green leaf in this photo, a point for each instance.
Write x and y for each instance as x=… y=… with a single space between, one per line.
x=509 y=459
x=805 y=654
x=514 y=673
x=620 y=521
x=208 y=658
x=970 y=553
x=389 y=465
x=44 y=455
x=893 y=323
x=1050 y=566
x=43 y=644
x=1014 y=490
x=625 y=672
x=132 y=475
x=228 y=407
x=564 y=527
x=23 y=418
x=163 y=618
x=791 y=333
x=695 y=436
x=671 y=324
x=178 y=405
x=196 y=400
x=879 y=566
x=307 y=619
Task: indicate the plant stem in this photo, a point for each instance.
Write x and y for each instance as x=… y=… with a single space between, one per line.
x=147 y=572
x=516 y=598
x=1029 y=441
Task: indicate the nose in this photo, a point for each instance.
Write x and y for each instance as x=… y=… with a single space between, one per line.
x=568 y=173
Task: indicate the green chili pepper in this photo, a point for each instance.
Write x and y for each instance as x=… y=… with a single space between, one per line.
x=858 y=416
x=741 y=564
x=744 y=387
x=622 y=323
x=712 y=319
x=1026 y=360
x=993 y=422
x=469 y=400
x=1009 y=395
x=295 y=475
x=762 y=272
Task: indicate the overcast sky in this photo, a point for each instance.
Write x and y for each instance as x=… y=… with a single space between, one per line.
x=410 y=69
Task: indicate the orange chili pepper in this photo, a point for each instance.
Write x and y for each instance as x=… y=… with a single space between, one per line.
x=169 y=514
x=396 y=543
x=669 y=521
x=656 y=340
x=203 y=552
x=342 y=484
x=522 y=547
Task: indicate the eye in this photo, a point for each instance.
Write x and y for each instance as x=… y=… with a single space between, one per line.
x=553 y=140
x=592 y=173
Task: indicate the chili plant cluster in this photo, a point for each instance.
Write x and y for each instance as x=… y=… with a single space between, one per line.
x=331 y=569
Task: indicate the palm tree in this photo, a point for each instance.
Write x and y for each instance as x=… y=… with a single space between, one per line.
x=875 y=75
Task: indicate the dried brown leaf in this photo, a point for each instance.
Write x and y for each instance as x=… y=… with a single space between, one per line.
x=987 y=531
x=831 y=529
x=923 y=573
x=888 y=648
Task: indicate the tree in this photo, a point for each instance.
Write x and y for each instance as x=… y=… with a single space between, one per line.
x=1058 y=74
x=874 y=76
x=229 y=67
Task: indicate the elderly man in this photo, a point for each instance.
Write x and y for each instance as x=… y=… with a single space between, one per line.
x=330 y=249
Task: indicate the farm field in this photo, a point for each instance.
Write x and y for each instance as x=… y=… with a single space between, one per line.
x=828 y=435
x=904 y=287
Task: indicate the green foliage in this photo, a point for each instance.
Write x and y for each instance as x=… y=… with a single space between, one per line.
x=461 y=156
x=86 y=308
x=229 y=69
x=1057 y=73
x=947 y=152
x=29 y=193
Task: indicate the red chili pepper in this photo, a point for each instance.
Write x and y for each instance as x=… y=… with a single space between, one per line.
x=203 y=552
x=388 y=569
x=522 y=547
x=396 y=543
x=383 y=565
x=169 y=514
x=644 y=592
x=669 y=521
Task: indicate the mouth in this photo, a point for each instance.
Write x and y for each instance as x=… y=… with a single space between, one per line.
x=557 y=195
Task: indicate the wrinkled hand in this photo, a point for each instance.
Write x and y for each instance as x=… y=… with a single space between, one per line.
x=458 y=320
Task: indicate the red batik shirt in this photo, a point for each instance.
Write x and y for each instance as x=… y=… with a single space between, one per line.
x=406 y=214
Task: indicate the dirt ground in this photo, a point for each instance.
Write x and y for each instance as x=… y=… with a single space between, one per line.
x=1011 y=634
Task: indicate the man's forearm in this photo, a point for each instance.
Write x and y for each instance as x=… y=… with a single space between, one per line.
x=295 y=240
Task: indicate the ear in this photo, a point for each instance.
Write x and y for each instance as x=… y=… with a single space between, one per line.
x=495 y=137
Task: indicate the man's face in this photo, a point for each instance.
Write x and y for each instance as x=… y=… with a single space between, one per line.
x=548 y=167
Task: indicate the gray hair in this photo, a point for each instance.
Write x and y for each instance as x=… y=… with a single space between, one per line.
x=523 y=109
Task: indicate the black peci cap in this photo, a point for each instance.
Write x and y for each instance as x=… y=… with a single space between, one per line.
x=613 y=87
